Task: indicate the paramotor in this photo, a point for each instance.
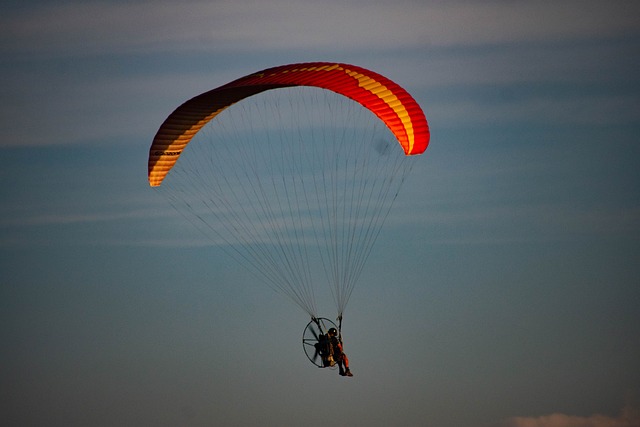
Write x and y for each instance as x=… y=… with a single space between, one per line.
x=292 y=170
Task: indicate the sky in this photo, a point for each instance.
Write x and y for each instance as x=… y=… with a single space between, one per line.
x=504 y=292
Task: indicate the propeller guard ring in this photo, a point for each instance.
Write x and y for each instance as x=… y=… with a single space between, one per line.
x=313 y=346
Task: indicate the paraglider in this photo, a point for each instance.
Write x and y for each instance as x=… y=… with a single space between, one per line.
x=322 y=344
x=295 y=176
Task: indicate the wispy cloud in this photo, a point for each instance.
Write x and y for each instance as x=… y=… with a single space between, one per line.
x=78 y=109
x=547 y=109
x=84 y=104
x=98 y=27
x=78 y=218
x=628 y=418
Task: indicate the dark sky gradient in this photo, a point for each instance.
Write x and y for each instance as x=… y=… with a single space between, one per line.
x=504 y=288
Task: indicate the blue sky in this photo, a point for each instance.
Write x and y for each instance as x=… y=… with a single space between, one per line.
x=504 y=292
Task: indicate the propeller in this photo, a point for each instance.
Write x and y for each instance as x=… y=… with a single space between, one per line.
x=315 y=335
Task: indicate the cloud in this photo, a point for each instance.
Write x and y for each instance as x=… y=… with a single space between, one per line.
x=73 y=28
x=77 y=218
x=628 y=418
x=80 y=109
x=87 y=100
x=542 y=109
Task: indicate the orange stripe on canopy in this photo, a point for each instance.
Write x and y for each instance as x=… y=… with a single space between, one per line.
x=387 y=100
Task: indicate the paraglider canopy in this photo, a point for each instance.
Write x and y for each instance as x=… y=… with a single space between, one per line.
x=292 y=170
x=392 y=104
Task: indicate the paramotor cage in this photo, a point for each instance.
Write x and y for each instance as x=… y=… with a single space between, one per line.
x=316 y=343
